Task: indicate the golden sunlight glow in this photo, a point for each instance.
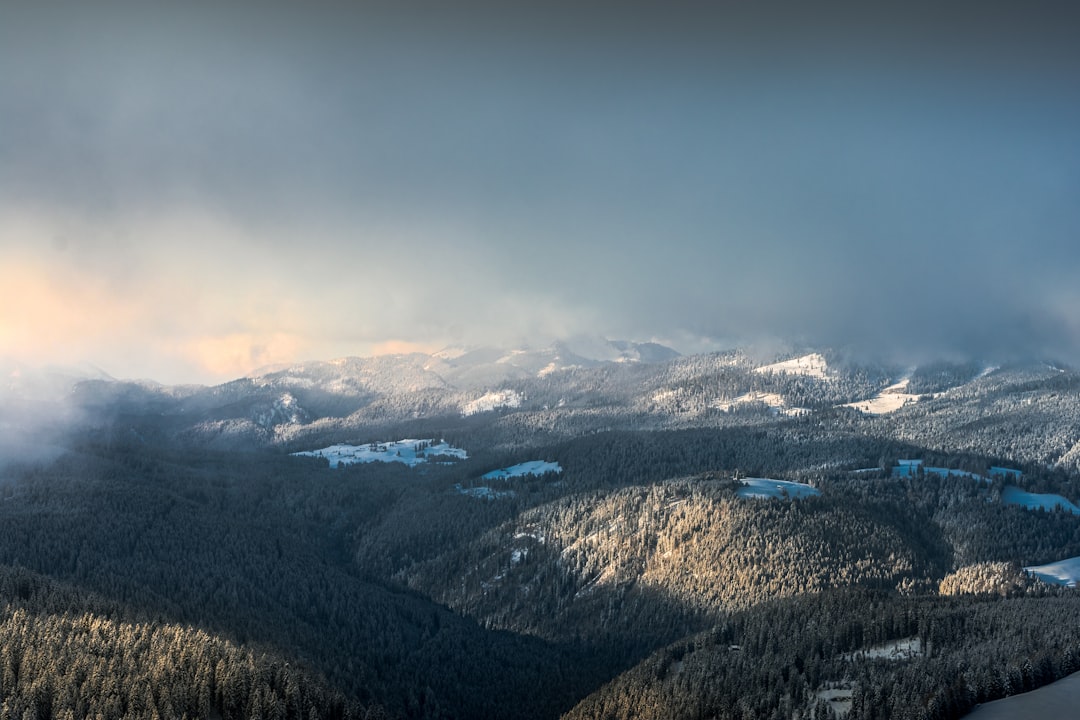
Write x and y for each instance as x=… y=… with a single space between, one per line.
x=238 y=354
x=52 y=313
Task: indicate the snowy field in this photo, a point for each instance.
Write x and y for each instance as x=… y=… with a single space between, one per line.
x=1063 y=572
x=888 y=400
x=774 y=402
x=1056 y=700
x=407 y=452
x=767 y=488
x=533 y=467
x=492 y=401
x=838 y=695
x=1013 y=495
x=812 y=365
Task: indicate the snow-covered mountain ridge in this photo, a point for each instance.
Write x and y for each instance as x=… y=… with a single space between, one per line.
x=1026 y=413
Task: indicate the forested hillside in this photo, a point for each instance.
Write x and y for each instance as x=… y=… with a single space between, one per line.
x=67 y=653
x=658 y=568
x=953 y=654
x=641 y=564
x=255 y=550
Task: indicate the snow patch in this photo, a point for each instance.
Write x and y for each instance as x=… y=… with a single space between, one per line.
x=812 y=365
x=1063 y=572
x=450 y=353
x=491 y=401
x=774 y=402
x=1013 y=495
x=532 y=467
x=547 y=370
x=888 y=400
x=767 y=488
x=894 y=650
x=407 y=452
x=536 y=535
x=838 y=696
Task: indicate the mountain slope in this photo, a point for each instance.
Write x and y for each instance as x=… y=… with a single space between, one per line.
x=688 y=549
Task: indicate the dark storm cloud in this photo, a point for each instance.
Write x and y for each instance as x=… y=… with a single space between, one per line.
x=891 y=178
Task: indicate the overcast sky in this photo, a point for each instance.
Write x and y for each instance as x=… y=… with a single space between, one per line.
x=192 y=190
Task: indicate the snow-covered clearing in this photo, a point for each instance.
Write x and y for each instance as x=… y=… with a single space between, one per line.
x=812 y=365
x=774 y=402
x=452 y=352
x=1063 y=572
x=894 y=650
x=888 y=400
x=532 y=467
x=1056 y=700
x=492 y=401
x=407 y=452
x=1013 y=495
x=531 y=532
x=838 y=695
x=767 y=488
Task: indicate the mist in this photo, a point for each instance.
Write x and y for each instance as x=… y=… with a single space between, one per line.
x=39 y=417
x=190 y=193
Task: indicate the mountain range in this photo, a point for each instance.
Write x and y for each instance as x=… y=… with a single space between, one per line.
x=592 y=529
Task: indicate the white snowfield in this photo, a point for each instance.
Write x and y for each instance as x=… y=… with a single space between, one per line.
x=767 y=488
x=812 y=365
x=1056 y=700
x=776 y=404
x=492 y=401
x=1013 y=495
x=1063 y=572
x=888 y=400
x=407 y=452
x=532 y=467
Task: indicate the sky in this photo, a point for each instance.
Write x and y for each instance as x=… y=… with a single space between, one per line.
x=190 y=191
